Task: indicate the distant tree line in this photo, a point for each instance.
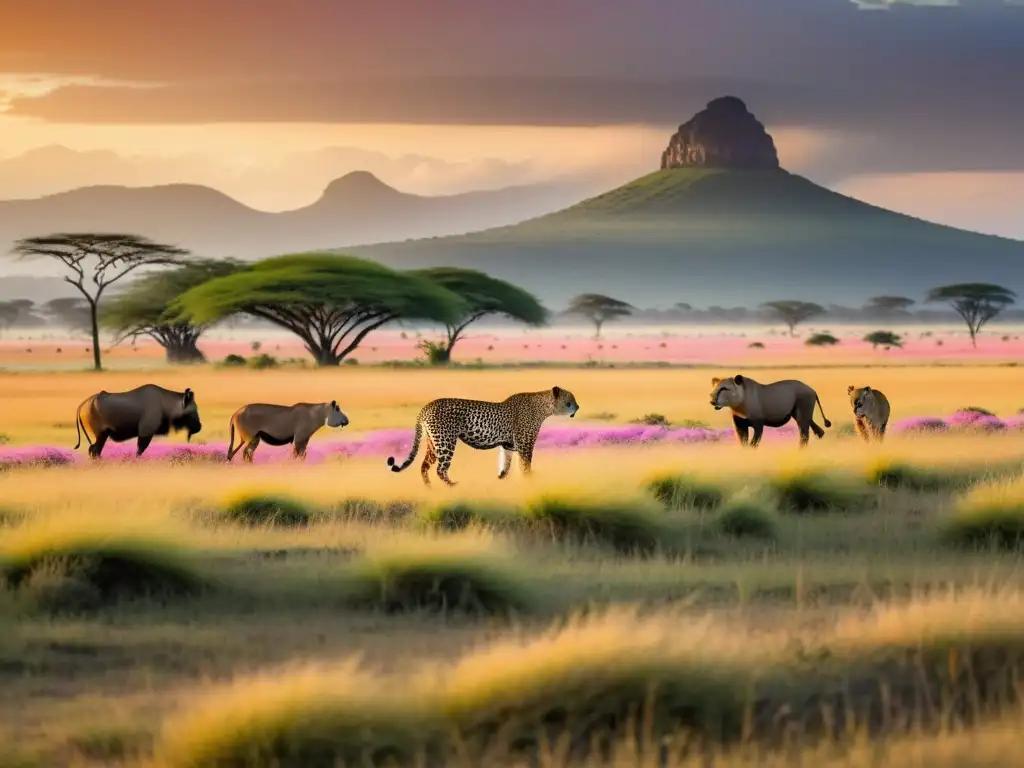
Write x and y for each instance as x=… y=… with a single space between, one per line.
x=332 y=302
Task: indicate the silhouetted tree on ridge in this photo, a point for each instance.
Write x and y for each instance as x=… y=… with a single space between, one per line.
x=96 y=261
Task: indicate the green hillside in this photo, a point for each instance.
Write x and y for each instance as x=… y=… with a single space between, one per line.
x=725 y=237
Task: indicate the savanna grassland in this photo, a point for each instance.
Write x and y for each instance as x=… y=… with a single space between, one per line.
x=846 y=605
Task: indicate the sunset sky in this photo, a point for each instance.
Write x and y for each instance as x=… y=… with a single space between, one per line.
x=915 y=106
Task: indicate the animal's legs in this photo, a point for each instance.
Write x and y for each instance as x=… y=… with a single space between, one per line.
x=858 y=425
x=758 y=433
x=525 y=459
x=805 y=433
x=143 y=444
x=818 y=431
x=504 y=462
x=742 y=429
x=881 y=432
x=250 y=448
x=445 y=453
x=429 y=457
x=97 y=448
x=299 y=449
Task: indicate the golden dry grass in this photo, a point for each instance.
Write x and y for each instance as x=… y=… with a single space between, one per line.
x=40 y=407
x=85 y=690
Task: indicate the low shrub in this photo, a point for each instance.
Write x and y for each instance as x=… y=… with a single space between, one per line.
x=676 y=491
x=439 y=576
x=259 y=509
x=458 y=515
x=746 y=516
x=988 y=516
x=821 y=340
x=262 y=362
x=234 y=360
x=893 y=475
x=68 y=570
x=653 y=420
x=626 y=525
x=809 y=492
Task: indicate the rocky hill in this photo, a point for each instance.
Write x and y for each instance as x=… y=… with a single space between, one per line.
x=722 y=223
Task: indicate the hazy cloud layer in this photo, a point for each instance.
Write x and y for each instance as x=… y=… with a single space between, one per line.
x=940 y=83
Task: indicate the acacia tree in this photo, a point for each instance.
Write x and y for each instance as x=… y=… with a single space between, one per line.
x=95 y=262
x=792 y=313
x=976 y=303
x=889 y=305
x=484 y=295
x=144 y=309
x=70 y=311
x=330 y=301
x=8 y=314
x=598 y=309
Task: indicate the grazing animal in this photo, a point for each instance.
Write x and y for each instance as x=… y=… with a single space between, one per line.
x=141 y=413
x=281 y=425
x=511 y=426
x=870 y=411
x=756 y=405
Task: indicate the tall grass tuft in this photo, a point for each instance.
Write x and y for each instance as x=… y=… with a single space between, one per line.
x=894 y=474
x=626 y=524
x=622 y=675
x=11 y=517
x=988 y=516
x=747 y=516
x=459 y=515
x=67 y=569
x=810 y=491
x=444 y=575
x=264 y=509
x=676 y=491
x=316 y=716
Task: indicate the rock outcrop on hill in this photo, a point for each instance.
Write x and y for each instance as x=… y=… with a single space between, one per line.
x=723 y=135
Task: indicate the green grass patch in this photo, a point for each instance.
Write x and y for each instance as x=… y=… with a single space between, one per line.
x=629 y=525
x=440 y=576
x=746 y=516
x=806 y=491
x=265 y=509
x=676 y=491
x=71 y=571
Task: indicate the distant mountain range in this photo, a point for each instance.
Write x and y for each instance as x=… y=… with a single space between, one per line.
x=356 y=208
x=721 y=236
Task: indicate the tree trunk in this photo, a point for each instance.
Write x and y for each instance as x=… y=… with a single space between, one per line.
x=325 y=358
x=184 y=353
x=597 y=325
x=97 y=363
